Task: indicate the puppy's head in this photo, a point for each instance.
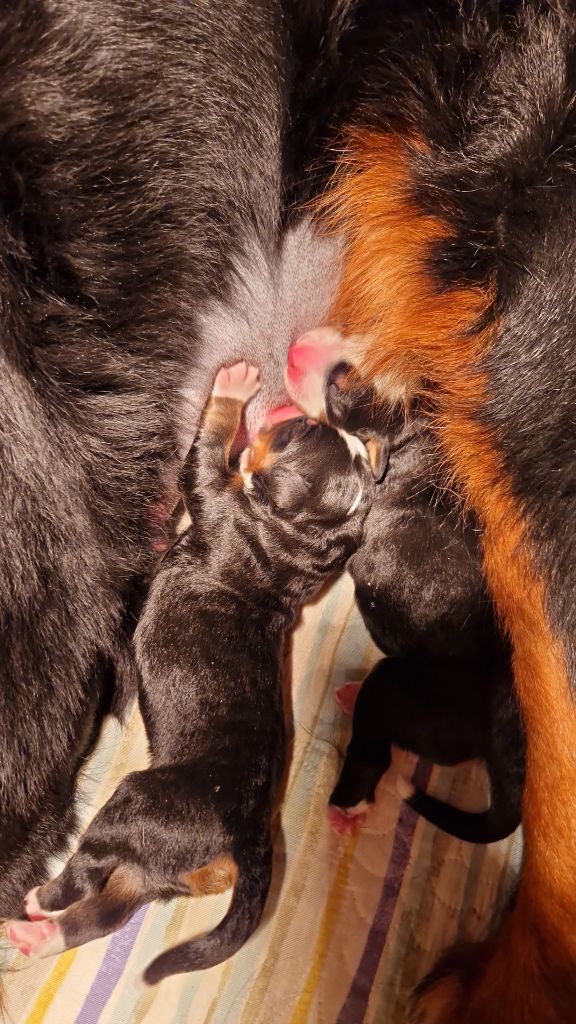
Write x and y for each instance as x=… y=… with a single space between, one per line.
x=309 y=472
x=321 y=379
x=353 y=405
x=314 y=357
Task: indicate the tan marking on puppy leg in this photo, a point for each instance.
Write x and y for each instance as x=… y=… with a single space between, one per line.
x=259 y=457
x=222 y=418
x=216 y=877
x=126 y=884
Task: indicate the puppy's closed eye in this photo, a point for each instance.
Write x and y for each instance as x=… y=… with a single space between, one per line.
x=282 y=487
x=290 y=431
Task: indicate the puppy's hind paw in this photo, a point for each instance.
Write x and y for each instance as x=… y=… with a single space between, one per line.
x=36 y=938
x=347 y=820
x=34 y=911
x=345 y=696
x=240 y=382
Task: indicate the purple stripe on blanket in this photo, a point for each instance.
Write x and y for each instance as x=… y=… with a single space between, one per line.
x=110 y=969
x=356 y=1003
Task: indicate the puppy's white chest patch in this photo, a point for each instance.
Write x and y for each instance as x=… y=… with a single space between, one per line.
x=354 y=444
x=356 y=502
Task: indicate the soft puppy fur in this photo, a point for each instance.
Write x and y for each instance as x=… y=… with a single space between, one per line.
x=445 y=690
x=457 y=199
x=264 y=536
x=121 y=208
x=141 y=228
x=124 y=210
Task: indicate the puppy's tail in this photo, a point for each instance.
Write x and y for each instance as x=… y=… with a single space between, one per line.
x=250 y=892
x=483 y=827
x=506 y=769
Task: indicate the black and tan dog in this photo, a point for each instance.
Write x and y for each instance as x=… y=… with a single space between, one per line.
x=264 y=536
x=445 y=690
x=148 y=235
x=142 y=229
x=456 y=196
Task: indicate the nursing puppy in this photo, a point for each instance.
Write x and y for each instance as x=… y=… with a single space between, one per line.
x=147 y=237
x=457 y=199
x=264 y=536
x=445 y=690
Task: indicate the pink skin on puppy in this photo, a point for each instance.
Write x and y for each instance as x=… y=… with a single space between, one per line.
x=347 y=822
x=345 y=696
x=36 y=938
x=309 y=360
x=280 y=415
x=40 y=936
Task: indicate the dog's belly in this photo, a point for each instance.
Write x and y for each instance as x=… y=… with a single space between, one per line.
x=276 y=296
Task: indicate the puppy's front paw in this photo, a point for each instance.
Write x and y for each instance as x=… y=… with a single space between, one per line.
x=347 y=820
x=240 y=382
x=35 y=938
x=345 y=696
x=34 y=912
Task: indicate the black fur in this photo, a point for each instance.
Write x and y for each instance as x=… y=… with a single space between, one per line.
x=491 y=87
x=210 y=645
x=445 y=690
x=135 y=159
x=135 y=152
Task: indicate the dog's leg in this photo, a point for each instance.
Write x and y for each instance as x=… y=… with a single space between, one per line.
x=353 y=795
x=368 y=756
x=207 y=462
x=426 y=328
x=63 y=914
x=108 y=877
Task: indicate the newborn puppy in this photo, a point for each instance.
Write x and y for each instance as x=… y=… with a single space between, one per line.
x=445 y=692
x=265 y=534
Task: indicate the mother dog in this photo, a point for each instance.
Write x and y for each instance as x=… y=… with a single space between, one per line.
x=457 y=196
x=146 y=167
x=152 y=157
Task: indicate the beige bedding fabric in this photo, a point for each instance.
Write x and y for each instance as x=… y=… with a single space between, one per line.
x=351 y=924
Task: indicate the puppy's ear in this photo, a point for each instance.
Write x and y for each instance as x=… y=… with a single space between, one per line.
x=337 y=402
x=348 y=402
x=282 y=487
x=378 y=456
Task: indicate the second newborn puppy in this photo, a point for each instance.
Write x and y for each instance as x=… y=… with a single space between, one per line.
x=264 y=536
x=445 y=691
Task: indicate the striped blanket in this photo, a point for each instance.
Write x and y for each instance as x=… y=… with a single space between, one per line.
x=351 y=923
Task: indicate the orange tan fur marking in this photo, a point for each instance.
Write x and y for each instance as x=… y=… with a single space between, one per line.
x=425 y=335
x=126 y=884
x=260 y=456
x=222 y=416
x=219 y=875
x=386 y=293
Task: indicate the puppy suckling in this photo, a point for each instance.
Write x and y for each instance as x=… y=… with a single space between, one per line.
x=265 y=533
x=445 y=689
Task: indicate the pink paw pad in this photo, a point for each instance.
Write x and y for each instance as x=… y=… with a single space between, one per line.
x=35 y=938
x=345 y=696
x=34 y=911
x=240 y=381
x=345 y=822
